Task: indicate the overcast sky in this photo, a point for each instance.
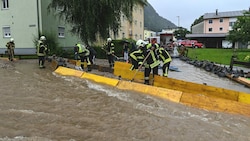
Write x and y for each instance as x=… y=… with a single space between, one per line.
x=184 y=12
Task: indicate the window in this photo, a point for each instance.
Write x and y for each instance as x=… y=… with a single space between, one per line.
x=6 y=31
x=123 y=18
x=231 y=23
x=210 y=29
x=135 y=22
x=221 y=28
x=130 y=32
x=210 y=21
x=61 y=32
x=135 y=8
x=221 y=20
x=5 y=4
x=136 y=36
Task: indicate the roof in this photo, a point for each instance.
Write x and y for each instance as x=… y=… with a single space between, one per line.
x=223 y=14
x=207 y=35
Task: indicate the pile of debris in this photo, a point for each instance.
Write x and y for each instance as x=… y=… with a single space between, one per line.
x=221 y=71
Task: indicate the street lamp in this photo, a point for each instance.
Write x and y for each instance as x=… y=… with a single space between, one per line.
x=178 y=21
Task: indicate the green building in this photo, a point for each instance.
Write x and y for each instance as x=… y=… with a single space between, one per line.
x=24 y=19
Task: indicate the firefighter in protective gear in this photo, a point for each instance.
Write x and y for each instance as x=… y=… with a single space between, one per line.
x=92 y=54
x=84 y=56
x=77 y=58
x=109 y=48
x=10 y=49
x=137 y=56
x=165 y=58
x=42 y=51
x=76 y=52
x=152 y=62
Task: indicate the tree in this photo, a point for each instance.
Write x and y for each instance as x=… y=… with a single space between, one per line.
x=90 y=18
x=181 y=33
x=199 y=20
x=241 y=30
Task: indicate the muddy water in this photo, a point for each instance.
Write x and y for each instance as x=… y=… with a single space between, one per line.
x=38 y=105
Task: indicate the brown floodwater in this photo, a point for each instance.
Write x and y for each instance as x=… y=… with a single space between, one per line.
x=39 y=105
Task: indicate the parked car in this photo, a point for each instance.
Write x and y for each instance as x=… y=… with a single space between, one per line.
x=191 y=43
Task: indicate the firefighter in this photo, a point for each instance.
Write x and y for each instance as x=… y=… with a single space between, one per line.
x=109 y=48
x=84 y=56
x=166 y=60
x=92 y=54
x=76 y=52
x=10 y=49
x=137 y=56
x=152 y=62
x=125 y=51
x=42 y=50
x=77 y=57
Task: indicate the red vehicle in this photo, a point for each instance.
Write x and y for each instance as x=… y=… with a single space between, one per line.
x=191 y=43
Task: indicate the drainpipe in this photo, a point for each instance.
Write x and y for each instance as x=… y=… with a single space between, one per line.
x=38 y=18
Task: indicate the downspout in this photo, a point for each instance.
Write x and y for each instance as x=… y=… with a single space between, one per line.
x=38 y=18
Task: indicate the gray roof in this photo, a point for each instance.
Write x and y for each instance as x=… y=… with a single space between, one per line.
x=223 y=14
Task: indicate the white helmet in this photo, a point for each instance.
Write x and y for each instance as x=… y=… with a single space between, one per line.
x=109 y=40
x=42 y=38
x=11 y=39
x=140 y=43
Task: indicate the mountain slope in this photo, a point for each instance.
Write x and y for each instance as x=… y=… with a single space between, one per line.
x=153 y=21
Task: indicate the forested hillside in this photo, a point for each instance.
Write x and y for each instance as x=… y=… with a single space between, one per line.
x=154 y=22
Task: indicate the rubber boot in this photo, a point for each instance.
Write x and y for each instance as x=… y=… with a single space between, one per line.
x=89 y=68
x=146 y=82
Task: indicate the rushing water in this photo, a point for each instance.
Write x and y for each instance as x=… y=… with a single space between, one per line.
x=39 y=105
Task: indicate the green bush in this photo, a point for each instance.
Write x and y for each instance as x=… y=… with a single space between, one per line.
x=118 y=48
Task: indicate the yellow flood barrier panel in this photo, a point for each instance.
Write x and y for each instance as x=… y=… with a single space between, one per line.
x=168 y=94
x=77 y=62
x=244 y=98
x=7 y=59
x=69 y=72
x=122 y=69
x=195 y=88
x=72 y=61
x=100 y=79
x=215 y=104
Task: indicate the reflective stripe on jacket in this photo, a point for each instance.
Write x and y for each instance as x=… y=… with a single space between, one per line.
x=83 y=50
x=41 y=49
x=110 y=48
x=164 y=55
x=137 y=56
x=152 y=60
